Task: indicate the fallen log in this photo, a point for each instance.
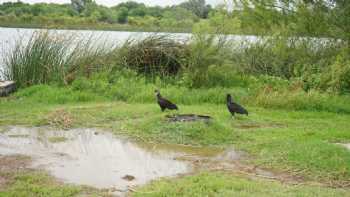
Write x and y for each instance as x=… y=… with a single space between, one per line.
x=188 y=118
x=7 y=87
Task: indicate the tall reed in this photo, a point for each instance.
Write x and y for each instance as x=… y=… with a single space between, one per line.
x=48 y=58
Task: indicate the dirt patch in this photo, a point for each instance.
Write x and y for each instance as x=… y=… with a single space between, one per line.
x=10 y=165
x=256 y=125
x=236 y=163
x=13 y=163
x=60 y=119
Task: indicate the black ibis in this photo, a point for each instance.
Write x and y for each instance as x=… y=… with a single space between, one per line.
x=164 y=103
x=234 y=107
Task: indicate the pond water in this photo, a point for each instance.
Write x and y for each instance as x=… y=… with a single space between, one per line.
x=99 y=159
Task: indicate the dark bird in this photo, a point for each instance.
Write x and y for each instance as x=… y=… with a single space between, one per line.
x=234 y=107
x=164 y=103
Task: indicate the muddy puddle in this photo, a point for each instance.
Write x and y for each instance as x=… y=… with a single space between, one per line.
x=99 y=159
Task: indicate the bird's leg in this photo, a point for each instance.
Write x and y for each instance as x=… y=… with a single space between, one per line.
x=174 y=114
x=232 y=117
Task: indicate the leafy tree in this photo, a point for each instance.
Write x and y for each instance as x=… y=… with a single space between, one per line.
x=129 y=5
x=139 y=11
x=155 y=11
x=80 y=5
x=198 y=7
x=318 y=18
x=123 y=15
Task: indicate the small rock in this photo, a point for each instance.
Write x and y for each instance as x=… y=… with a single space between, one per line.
x=128 y=177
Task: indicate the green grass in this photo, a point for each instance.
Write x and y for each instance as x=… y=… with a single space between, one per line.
x=35 y=183
x=220 y=184
x=289 y=141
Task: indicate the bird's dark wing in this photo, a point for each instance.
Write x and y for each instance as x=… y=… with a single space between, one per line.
x=230 y=108
x=166 y=103
x=238 y=109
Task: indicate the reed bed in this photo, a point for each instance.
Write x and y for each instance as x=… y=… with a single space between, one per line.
x=49 y=58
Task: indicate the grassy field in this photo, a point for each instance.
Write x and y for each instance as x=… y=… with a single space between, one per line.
x=301 y=143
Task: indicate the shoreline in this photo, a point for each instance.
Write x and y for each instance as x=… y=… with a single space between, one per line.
x=98 y=28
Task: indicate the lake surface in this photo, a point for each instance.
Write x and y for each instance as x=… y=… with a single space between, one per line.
x=9 y=36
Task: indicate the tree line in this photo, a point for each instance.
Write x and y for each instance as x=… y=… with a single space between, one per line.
x=317 y=18
x=87 y=11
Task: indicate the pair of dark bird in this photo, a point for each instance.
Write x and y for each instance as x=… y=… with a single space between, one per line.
x=232 y=107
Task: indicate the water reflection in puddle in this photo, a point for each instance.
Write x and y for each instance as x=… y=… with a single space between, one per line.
x=87 y=158
x=99 y=159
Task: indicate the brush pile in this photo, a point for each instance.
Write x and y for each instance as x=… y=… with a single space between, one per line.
x=157 y=54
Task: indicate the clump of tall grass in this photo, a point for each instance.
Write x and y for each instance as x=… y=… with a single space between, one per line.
x=155 y=55
x=48 y=58
x=319 y=63
x=205 y=51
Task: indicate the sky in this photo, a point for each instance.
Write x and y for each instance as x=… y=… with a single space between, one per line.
x=115 y=2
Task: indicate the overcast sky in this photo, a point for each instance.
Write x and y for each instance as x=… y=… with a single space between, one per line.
x=114 y=2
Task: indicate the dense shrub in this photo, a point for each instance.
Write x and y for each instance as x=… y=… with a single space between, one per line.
x=205 y=51
x=156 y=54
x=338 y=77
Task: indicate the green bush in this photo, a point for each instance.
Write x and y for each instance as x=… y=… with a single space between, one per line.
x=338 y=79
x=205 y=50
